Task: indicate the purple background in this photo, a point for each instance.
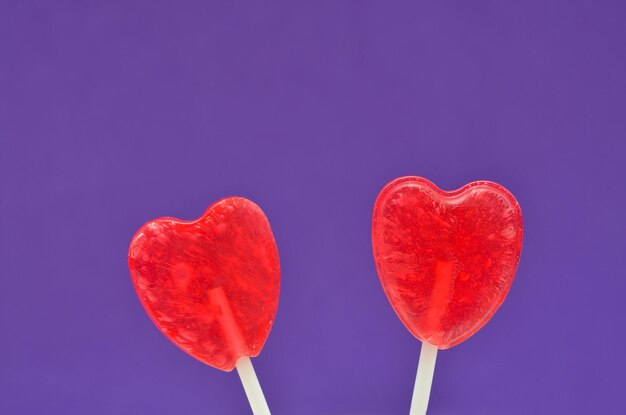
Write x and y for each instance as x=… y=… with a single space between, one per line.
x=116 y=113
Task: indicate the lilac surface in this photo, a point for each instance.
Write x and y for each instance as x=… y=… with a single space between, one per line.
x=116 y=113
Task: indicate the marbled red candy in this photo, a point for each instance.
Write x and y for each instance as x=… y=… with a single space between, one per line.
x=210 y=285
x=446 y=260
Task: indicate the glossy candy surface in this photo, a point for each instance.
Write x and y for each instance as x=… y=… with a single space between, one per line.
x=210 y=285
x=446 y=260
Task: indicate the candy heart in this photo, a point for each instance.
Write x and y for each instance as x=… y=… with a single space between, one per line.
x=446 y=260
x=210 y=285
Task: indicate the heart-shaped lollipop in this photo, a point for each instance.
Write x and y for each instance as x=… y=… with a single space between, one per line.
x=446 y=260
x=210 y=285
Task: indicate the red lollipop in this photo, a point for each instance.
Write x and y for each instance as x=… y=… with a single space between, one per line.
x=211 y=285
x=446 y=261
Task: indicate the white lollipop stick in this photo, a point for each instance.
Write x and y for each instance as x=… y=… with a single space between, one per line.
x=252 y=386
x=244 y=366
x=424 y=379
